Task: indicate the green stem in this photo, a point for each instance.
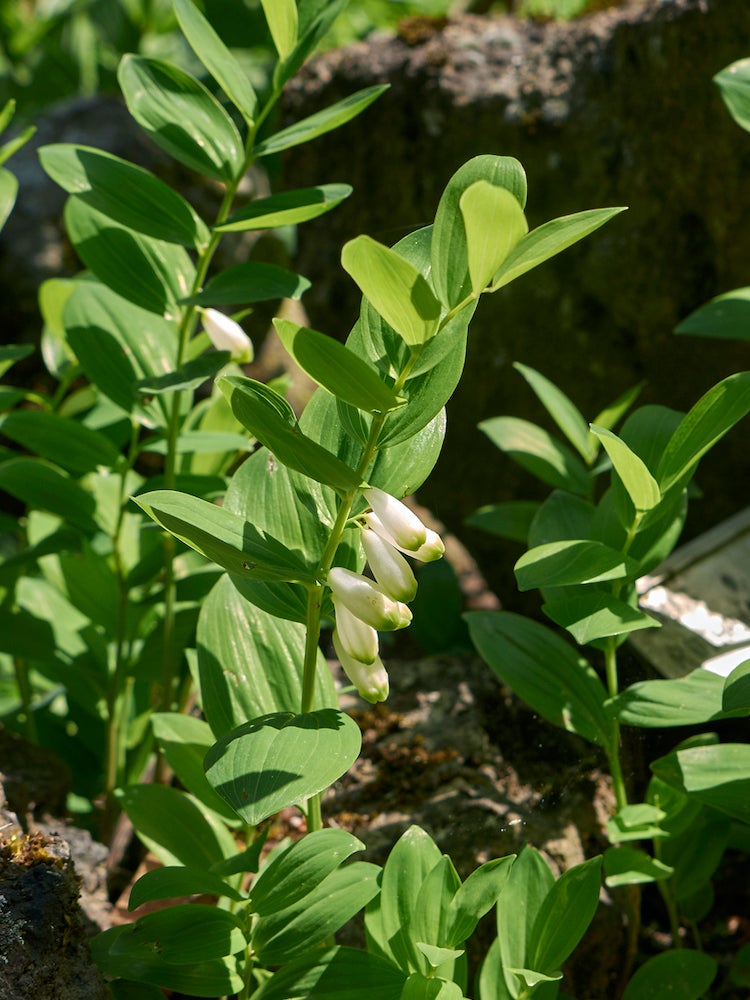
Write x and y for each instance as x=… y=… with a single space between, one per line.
x=665 y=891
x=613 y=751
x=24 y=689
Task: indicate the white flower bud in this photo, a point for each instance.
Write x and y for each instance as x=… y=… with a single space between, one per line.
x=370 y=679
x=226 y=335
x=367 y=601
x=431 y=550
x=357 y=639
x=402 y=524
x=389 y=567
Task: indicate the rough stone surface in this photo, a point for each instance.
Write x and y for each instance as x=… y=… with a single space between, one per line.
x=615 y=109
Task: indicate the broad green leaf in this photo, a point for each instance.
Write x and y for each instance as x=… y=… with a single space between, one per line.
x=251 y=282
x=8 y=192
x=182 y=117
x=535 y=450
x=596 y=615
x=430 y=925
x=631 y=866
x=395 y=288
x=562 y=517
x=223 y=537
x=439 y=956
x=321 y=122
x=563 y=411
x=531 y=979
x=71 y=444
x=543 y=670
x=684 y=701
x=172 y=825
x=199 y=443
x=213 y=978
x=449 y=253
x=726 y=316
x=491 y=983
x=250 y=663
x=295 y=873
x=564 y=916
x=282 y=20
x=734 y=83
x=736 y=694
x=707 y=422
x=638 y=821
x=557 y=564
x=128 y=194
x=339 y=370
x=173 y=882
x=682 y=974
x=216 y=57
x=547 y=240
x=315 y=19
x=718 y=776
x=508 y=520
x=150 y=273
x=191 y=375
x=478 y=894
x=528 y=885
x=11 y=353
x=43 y=486
x=334 y=974
x=286 y=209
x=419 y=987
x=106 y=364
x=494 y=223
x=696 y=853
x=281 y=759
x=272 y=422
x=127 y=989
x=641 y=486
x=184 y=934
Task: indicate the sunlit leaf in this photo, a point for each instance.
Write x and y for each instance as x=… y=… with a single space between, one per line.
x=494 y=223
x=286 y=209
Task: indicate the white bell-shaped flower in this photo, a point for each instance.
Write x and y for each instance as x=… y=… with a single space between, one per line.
x=402 y=524
x=429 y=551
x=370 y=679
x=390 y=569
x=367 y=601
x=357 y=638
x=227 y=335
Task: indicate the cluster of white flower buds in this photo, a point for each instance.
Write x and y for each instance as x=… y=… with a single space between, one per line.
x=364 y=606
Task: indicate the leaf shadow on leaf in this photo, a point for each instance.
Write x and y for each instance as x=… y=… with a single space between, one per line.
x=139 y=283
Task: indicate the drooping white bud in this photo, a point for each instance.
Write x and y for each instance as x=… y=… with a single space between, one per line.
x=367 y=601
x=431 y=550
x=227 y=335
x=370 y=679
x=402 y=524
x=389 y=567
x=357 y=638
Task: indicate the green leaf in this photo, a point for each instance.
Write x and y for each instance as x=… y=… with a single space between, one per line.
x=251 y=282
x=578 y=561
x=270 y=418
x=173 y=882
x=551 y=238
x=734 y=84
x=726 y=316
x=430 y=924
x=508 y=520
x=281 y=759
x=684 y=701
x=128 y=194
x=281 y=16
x=639 y=821
x=395 y=288
x=439 y=956
x=251 y=663
x=535 y=450
x=173 y=826
x=696 y=852
x=150 y=273
x=106 y=364
x=529 y=883
x=478 y=894
x=419 y=987
x=44 y=487
x=8 y=192
x=565 y=413
x=182 y=117
x=184 y=934
x=321 y=122
x=641 y=486
x=199 y=443
x=494 y=223
x=707 y=422
x=191 y=375
x=596 y=615
x=718 y=776
x=612 y=413
x=216 y=57
x=683 y=974
x=630 y=866
x=564 y=916
x=334 y=974
x=74 y=446
x=736 y=694
x=449 y=252
x=339 y=370
x=286 y=209
x=543 y=670
x=294 y=873
x=223 y=537
x=11 y=353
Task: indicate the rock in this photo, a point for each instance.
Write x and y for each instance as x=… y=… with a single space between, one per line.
x=616 y=108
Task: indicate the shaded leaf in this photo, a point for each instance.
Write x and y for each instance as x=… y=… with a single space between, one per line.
x=596 y=615
x=535 y=450
x=578 y=561
x=563 y=411
x=726 y=316
x=173 y=882
x=684 y=701
x=334 y=974
x=718 y=776
x=631 y=866
x=509 y=520
x=734 y=83
x=251 y=282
